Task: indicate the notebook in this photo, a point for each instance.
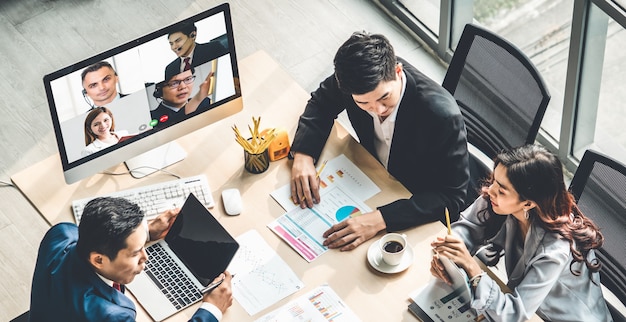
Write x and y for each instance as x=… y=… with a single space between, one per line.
x=193 y=253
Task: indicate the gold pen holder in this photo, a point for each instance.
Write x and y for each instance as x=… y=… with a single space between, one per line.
x=256 y=163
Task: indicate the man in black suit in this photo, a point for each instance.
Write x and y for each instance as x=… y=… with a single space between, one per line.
x=411 y=124
x=182 y=39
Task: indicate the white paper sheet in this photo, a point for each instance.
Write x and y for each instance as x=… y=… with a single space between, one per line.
x=303 y=229
x=320 y=305
x=339 y=171
x=262 y=277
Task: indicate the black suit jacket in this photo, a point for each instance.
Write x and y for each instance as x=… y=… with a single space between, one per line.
x=428 y=150
x=203 y=53
x=167 y=117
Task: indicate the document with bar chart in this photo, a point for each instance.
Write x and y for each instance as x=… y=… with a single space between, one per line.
x=340 y=173
x=320 y=305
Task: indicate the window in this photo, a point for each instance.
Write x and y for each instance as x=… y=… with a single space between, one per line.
x=601 y=113
x=426 y=11
x=542 y=31
x=577 y=46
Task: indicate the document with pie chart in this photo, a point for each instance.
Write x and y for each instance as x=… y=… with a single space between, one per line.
x=302 y=229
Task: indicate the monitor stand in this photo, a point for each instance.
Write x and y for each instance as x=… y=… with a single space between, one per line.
x=155 y=159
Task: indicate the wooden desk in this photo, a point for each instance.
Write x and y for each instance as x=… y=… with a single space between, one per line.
x=269 y=92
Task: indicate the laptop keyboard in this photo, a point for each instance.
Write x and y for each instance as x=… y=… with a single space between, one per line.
x=169 y=278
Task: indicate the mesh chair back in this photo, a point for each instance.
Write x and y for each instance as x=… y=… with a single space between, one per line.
x=500 y=92
x=599 y=186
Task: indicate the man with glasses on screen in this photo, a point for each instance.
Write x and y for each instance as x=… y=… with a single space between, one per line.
x=100 y=84
x=176 y=100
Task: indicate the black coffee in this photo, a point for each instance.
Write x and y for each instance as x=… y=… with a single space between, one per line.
x=392 y=246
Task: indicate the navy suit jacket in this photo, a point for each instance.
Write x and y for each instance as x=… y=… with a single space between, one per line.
x=66 y=288
x=428 y=149
x=203 y=53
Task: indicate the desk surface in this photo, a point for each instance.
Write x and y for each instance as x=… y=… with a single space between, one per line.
x=267 y=91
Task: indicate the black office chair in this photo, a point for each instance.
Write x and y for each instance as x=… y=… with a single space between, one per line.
x=502 y=98
x=599 y=186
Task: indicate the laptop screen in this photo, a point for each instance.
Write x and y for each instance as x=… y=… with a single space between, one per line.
x=200 y=241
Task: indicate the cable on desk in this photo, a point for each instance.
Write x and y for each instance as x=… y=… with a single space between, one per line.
x=6 y=184
x=142 y=167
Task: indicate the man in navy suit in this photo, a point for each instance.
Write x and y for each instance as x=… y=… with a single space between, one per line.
x=182 y=39
x=411 y=124
x=80 y=268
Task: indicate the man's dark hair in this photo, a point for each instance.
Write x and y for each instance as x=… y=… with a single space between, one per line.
x=363 y=61
x=105 y=225
x=186 y=27
x=95 y=67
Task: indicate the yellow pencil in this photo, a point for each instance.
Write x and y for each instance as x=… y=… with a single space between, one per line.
x=317 y=175
x=448 y=222
x=319 y=172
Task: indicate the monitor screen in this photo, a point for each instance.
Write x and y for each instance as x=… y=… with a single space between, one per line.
x=128 y=103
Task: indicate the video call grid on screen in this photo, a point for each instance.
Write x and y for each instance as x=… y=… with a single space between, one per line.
x=139 y=65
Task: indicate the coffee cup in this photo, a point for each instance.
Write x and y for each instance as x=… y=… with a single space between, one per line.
x=392 y=246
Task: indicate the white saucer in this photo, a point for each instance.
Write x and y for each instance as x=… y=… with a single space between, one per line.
x=375 y=258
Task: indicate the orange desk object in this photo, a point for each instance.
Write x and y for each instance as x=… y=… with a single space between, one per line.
x=279 y=148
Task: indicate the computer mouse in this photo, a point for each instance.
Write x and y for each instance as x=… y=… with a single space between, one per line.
x=231 y=198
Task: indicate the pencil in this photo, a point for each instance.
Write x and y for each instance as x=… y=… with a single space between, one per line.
x=448 y=222
x=319 y=172
x=317 y=175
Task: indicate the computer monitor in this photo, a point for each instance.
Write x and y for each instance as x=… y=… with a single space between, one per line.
x=119 y=105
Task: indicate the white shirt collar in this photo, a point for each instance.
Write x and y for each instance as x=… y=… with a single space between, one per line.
x=383 y=130
x=106 y=280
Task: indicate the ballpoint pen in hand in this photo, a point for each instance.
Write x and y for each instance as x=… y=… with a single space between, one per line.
x=214 y=285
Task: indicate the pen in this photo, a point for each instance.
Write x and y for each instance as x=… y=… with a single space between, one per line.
x=214 y=285
x=448 y=222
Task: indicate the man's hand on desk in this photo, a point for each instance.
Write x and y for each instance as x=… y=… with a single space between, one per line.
x=159 y=226
x=305 y=185
x=352 y=232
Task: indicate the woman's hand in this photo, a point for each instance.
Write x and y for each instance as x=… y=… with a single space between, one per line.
x=453 y=248
x=438 y=270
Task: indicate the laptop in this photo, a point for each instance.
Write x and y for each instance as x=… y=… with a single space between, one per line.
x=193 y=253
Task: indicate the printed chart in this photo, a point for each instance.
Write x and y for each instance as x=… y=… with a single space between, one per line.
x=262 y=277
x=320 y=305
x=338 y=172
x=303 y=229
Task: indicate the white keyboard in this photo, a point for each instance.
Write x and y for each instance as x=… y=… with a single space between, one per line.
x=157 y=198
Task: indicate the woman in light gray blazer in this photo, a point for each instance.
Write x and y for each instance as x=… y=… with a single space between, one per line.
x=548 y=243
